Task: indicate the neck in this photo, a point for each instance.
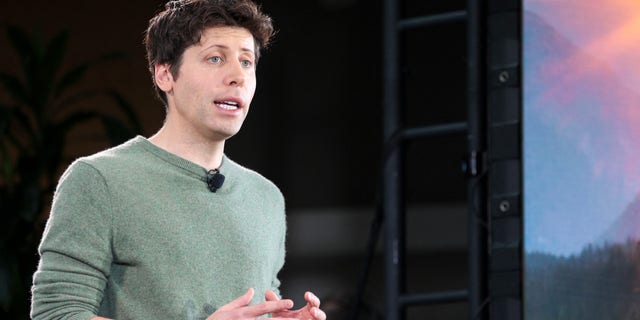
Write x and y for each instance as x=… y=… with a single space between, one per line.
x=197 y=149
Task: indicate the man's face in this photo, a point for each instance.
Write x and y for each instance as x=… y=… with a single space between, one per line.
x=215 y=83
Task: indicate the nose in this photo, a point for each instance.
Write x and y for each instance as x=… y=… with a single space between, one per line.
x=235 y=74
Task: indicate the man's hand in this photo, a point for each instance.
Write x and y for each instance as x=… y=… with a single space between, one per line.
x=309 y=312
x=240 y=309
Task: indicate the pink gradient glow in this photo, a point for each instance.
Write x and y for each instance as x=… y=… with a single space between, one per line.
x=607 y=34
x=586 y=19
x=607 y=29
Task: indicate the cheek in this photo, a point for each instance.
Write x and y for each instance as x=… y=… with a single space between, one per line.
x=251 y=85
x=252 y=90
x=197 y=90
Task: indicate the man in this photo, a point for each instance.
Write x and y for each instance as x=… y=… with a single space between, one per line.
x=150 y=229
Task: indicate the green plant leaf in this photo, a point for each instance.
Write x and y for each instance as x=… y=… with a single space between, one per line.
x=73 y=120
x=51 y=63
x=76 y=74
x=116 y=130
x=121 y=103
x=5 y=119
x=14 y=87
x=6 y=170
x=31 y=201
x=29 y=51
x=127 y=109
x=67 y=102
x=14 y=114
x=22 y=119
x=13 y=121
x=6 y=265
x=8 y=133
x=6 y=167
x=20 y=42
x=69 y=79
x=55 y=139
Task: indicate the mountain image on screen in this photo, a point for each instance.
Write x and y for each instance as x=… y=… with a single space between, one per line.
x=582 y=193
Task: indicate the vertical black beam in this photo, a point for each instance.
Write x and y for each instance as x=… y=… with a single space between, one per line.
x=504 y=158
x=392 y=200
x=476 y=190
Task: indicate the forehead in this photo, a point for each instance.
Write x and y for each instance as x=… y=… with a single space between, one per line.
x=228 y=36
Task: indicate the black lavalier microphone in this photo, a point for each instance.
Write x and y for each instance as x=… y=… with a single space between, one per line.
x=215 y=179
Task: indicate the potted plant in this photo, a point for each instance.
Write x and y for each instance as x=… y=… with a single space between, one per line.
x=42 y=105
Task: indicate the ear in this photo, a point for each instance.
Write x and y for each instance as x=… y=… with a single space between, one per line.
x=163 y=77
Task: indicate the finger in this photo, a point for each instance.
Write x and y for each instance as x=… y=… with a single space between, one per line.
x=241 y=301
x=312 y=299
x=318 y=314
x=266 y=307
x=271 y=296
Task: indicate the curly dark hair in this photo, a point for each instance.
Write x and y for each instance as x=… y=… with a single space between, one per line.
x=182 y=22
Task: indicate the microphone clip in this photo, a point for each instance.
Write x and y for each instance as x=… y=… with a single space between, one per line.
x=215 y=179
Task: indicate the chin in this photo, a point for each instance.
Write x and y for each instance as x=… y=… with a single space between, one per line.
x=224 y=134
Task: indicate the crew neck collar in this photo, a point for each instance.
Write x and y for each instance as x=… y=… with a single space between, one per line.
x=176 y=160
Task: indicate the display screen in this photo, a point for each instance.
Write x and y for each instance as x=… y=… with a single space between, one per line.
x=581 y=159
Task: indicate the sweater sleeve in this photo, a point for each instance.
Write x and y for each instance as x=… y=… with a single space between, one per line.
x=75 y=252
x=281 y=253
x=275 y=281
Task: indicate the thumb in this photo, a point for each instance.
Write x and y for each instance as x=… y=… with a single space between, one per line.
x=241 y=301
x=271 y=296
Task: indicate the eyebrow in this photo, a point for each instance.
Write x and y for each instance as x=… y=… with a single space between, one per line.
x=221 y=46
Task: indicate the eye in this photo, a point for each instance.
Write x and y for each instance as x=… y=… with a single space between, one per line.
x=215 y=59
x=246 y=63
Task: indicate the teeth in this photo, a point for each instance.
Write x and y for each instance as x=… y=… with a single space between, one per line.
x=227 y=105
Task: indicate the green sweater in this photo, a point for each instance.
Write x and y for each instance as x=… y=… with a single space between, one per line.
x=135 y=233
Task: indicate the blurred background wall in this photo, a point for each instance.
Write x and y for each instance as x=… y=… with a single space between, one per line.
x=314 y=129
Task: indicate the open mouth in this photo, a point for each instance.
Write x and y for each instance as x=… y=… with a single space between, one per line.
x=227 y=105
